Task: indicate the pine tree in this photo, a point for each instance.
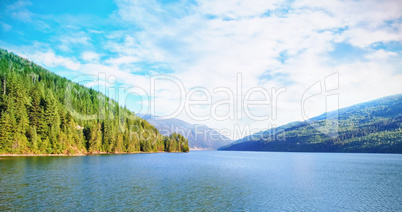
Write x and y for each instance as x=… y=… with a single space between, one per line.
x=119 y=143
x=33 y=139
x=5 y=133
x=95 y=138
x=35 y=109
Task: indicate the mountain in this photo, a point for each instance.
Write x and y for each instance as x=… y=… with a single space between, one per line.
x=374 y=126
x=200 y=137
x=43 y=113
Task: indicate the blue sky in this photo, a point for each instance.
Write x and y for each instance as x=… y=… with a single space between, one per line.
x=272 y=44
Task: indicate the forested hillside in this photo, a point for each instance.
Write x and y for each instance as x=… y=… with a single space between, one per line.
x=34 y=118
x=374 y=126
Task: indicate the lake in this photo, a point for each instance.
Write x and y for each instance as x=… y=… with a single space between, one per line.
x=203 y=181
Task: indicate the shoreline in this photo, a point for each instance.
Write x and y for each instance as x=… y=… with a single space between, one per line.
x=80 y=154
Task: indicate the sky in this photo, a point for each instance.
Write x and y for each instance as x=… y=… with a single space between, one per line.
x=239 y=66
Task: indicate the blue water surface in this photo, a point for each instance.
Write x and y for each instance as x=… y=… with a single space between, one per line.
x=203 y=181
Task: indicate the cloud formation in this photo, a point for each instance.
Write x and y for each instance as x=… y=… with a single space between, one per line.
x=209 y=44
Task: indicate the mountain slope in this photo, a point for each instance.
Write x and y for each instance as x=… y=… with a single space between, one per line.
x=374 y=126
x=199 y=137
x=43 y=113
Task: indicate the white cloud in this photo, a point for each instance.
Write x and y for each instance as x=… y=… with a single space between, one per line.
x=122 y=60
x=237 y=9
x=50 y=59
x=79 y=39
x=90 y=56
x=19 y=11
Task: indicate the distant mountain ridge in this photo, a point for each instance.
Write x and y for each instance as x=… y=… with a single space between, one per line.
x=200 y=137
x=374 y=126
